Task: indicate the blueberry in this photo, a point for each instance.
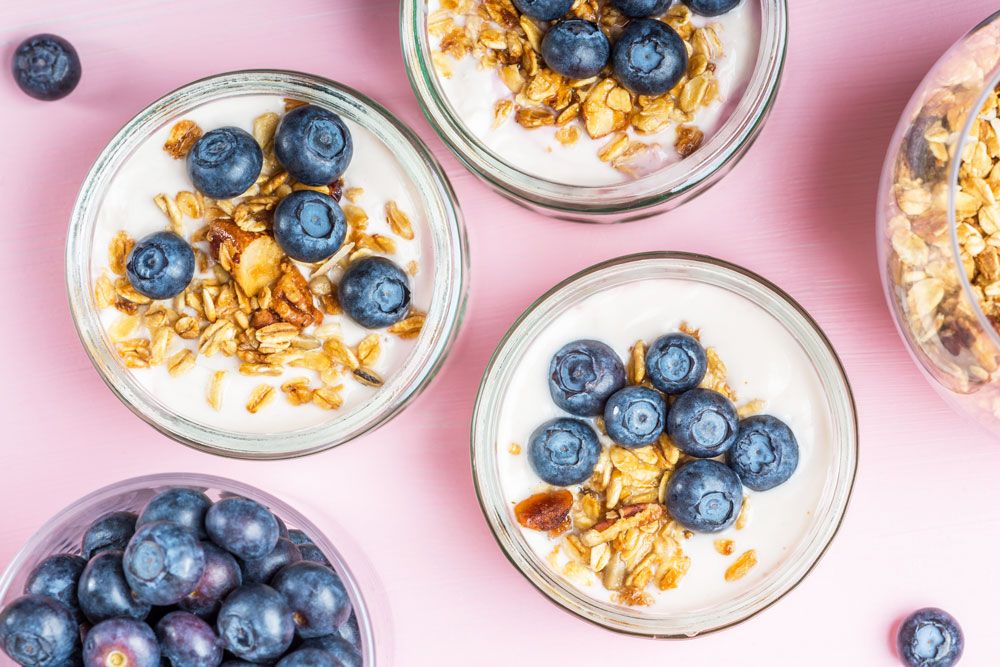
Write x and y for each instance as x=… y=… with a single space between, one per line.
x=188 y=641
x=765 y=453
x=676 y=363
x=343 y=653
x=104 y=592
x=711 y=7
x=312 y=553
x=314 y=145
x=121 y=642
x=185 y=507
x=221 y=577
x=309 y=226
x=243 y=527
x=704 y=496
x=110 y=531
x=38 y=631
x=224 y=163
x=703 y=423
x=564 y=451
x=160 y=266
x=930 y=638
x=299 y=537
x=260 y=570
x=255 y=623
x=642 y=8
x=544 y=10
x=316 y=596
x=576 y=49
x=309 y=657
x=375 y=292
x=350 y=632
x=46 y=67
x=57 y=577
x=635 y=416
x=649 y=57
x=582 y=375
x=282 y=528
x=163 y=563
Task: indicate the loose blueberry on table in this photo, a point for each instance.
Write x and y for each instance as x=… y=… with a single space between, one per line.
x=930 y=637
x=46 y=67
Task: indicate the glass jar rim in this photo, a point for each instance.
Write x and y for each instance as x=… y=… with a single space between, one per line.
x=834 y=501
x=630 y=198
x=444 y=224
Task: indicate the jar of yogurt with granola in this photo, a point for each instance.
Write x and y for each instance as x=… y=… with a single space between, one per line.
x=261 y=274
x=598 y=109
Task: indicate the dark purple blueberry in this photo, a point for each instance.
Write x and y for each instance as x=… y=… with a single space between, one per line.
x=38 y=631
x=260 y=570
x=343 y=653
x=111 y=531
x=104 y=592
x=309 y=226
x=582 y=375
x=375 y=292
x=160 y=266
x=311 y=552
x=544 y=10
x=316 y=596
x=564 y=451
x=255 y=623
x=163 y=563
x=930 y=638
x=765 y=454
x=221 y=577
x=649 y=57
x=185 y=507
x=711 y=7
x=309 y=657
x=121 y=642
x=243 y=527
x=282 y=528
x=225 y=162
x=313 y=144
x=299 y=537
x=676 y=363
x=57 y=577
x=704 y=496
x=46 y=67
x=635 y=416
x=642 y=8
x=575 y=48
x=703 y=423
x=188 y=641
x=351 y=632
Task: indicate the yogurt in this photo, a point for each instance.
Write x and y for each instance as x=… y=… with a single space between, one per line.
x=128 y=205
x=764 y=362
x=471 y=92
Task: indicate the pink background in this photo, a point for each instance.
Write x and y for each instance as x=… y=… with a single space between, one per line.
x=922 y=528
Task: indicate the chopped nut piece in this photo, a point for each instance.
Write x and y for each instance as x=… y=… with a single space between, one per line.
x=544 y=511
x=514 y=449
x=183 y=136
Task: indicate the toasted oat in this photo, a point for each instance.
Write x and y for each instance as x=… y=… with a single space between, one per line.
x=183 y=136
x=215 y=389
x=118 y=251
x=744 y=515
x=369 y=350
x=514 y=449
x=261 y=395
x=741 y=566
x=104 y=292
x=328 y=397
x=399 y=222
x=724 y=547
x=181 y=362
x=409 y=327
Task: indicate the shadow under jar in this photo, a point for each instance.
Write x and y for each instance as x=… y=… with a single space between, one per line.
x=391 y=167
x=938 y=224
x=537 y=169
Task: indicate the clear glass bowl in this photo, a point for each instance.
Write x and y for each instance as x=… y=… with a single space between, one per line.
x=665 y=189
x=921 y=261
x=444 y=223
x=64 y=532
x=838 y=409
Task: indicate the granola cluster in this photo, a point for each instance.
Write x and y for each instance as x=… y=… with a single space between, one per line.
x=249 y=301
x=616 y=527
x=504 y=40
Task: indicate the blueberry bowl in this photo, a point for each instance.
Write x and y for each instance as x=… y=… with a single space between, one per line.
x=661 y=581
x=64 y=534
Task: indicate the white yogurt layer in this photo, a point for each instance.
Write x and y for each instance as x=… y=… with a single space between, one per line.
x=129 y=205
x=473 y=91
x=764 y=362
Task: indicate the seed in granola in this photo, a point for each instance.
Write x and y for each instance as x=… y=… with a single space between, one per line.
x=544 y=511
x=367 y=376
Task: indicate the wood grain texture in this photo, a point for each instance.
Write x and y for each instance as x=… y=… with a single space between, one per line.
x=922 y=529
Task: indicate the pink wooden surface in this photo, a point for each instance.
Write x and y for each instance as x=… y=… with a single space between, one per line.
x=922 y=528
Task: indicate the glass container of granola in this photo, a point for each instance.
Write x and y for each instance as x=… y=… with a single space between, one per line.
x=589 y=150
x=612 y=554
x=64 y=531
x=255 y=358
x=938 y=232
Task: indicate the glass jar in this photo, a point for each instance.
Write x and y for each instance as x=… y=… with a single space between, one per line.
x=444 y=265
x=649 y=195
x=830 y=471
x=64 y=531
x=923 y=265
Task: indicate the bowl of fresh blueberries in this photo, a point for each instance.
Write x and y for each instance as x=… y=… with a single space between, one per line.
x=185 y=570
